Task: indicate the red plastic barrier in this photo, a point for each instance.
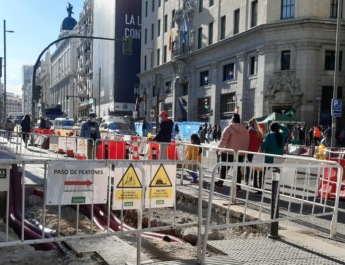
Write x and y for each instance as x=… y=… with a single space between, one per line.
x=305 y=151
x=78 y=157
x=101 y=151
x=45 y=144
x=116 y=150
x=333 y=177
x=339 y=150
x=153 y=146
x=171 y=152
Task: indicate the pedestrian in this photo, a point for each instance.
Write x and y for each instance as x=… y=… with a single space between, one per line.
x=90 y=130
x=42 y=123
x=205 y=129
x=176 y=131
x=48 y=123
x=273 y=144
x=164 y=134
x=236 y=137
x=144 y=128
x=214 y=133
x=295 y=133
x=311 y=136
x=316 y=135
x=256 y=137
x=193 y=153
x=9 y=127
x=343 y=137
x=219 y=132
x=326 y=141
x=301 y=136
x=25 y=124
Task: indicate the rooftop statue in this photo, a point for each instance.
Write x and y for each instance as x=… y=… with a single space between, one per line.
x=69 y=9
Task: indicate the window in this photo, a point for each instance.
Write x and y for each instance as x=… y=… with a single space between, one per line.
x=204 y=78
x=330 y=61
x=211 y=2
x=285 y=63
x=152 y=31
x=254 y=13
x=222 y=28
x=146 y=7
x=151 y=59
x=145 y=36
x=168 y=108
x=288 y=8
x=158 y=56
x=185 y=89
x=334 y=9
x=252 y=66
x=201 y=3
x=227 y=103
x=237 y=22
x=159 y=3
x=168 y=87
x=159 y=28
x=165 y=23
x=145 y=61
x=228 y=72
x=165 y=54
x=172 y=19
x=199 y=38
x=153 y=5
x=210 y=33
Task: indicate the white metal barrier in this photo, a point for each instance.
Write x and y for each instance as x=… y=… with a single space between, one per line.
x=288 y=183
x=112 y=167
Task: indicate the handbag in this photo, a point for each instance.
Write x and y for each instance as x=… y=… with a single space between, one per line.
x=260 y=158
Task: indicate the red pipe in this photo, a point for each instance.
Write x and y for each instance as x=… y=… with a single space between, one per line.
x=101 y=220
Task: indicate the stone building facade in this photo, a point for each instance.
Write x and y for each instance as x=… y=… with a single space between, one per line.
x=27 y=71
x=84 y=61
x=64 y=69
x=254 y=57
x=43 y=80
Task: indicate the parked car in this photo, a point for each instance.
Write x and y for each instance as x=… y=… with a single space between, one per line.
x=117 y=128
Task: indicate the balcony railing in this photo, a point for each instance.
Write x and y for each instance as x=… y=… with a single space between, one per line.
x=181 y=50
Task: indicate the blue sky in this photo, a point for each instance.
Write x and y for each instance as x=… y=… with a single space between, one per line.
x=36 y=24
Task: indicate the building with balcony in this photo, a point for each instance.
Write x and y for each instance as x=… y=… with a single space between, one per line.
x=254 y=57
x=43 y=80
x=63 y=73
x=27 y=71
x=13 y=103
x=84 y=61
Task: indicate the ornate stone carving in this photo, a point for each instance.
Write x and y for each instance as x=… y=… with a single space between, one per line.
x=284 y=89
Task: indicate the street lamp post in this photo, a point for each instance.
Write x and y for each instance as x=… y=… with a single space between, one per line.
x=5 y=64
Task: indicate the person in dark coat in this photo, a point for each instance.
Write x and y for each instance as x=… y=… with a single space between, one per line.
x=164 y=134
x=205 y=128
x=219 y=132
x=43 y=123
x=214 y=133
x=144 y=128
x=25 y=127
x=301 y=136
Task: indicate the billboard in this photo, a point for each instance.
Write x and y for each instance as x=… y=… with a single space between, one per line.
x=115 y=80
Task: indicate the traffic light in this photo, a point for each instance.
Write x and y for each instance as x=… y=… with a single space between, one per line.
x=207 y=106
x=88 y=97
x=127 y=45
x=39 y=91
x=67 y=96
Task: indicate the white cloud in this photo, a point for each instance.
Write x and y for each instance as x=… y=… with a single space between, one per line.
x=14 y=89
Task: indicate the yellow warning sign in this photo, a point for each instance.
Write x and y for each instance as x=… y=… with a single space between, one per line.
x=130 y=179
x=161 y=179
x=160 y=193
x=131 y=195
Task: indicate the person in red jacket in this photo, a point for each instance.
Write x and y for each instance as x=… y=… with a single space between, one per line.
x=256 y=138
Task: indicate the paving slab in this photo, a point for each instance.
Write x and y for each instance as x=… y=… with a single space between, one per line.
x=208 y=261
x=111 y=249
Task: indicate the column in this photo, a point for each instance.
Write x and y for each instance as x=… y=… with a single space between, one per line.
x=213 y=78
x=241 y=73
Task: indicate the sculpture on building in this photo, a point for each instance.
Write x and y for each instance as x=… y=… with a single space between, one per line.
x=283 y=90
x=69 y=9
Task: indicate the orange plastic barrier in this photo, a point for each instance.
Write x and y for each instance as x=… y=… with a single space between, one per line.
x=80 y=157
x=333 y=177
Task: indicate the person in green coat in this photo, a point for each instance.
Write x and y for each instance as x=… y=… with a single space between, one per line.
x=273 y=144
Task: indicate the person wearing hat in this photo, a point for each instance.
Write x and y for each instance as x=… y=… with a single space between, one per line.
x=90 y=129
x=164 y=134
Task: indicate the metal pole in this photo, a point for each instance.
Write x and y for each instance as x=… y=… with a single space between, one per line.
x=274 y=204
x=336 y=68
x=0 y=98
x=99 y=94
x=4 y=68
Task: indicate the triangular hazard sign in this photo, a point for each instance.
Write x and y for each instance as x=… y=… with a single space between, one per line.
x=161 y=179
x=130 y=179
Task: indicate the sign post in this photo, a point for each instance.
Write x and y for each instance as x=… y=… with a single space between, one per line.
x=336 y=112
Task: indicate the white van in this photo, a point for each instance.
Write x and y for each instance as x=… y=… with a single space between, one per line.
x=112 y=119
x=63 y=123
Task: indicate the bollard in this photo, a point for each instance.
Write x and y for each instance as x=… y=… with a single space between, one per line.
x=275 y=203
